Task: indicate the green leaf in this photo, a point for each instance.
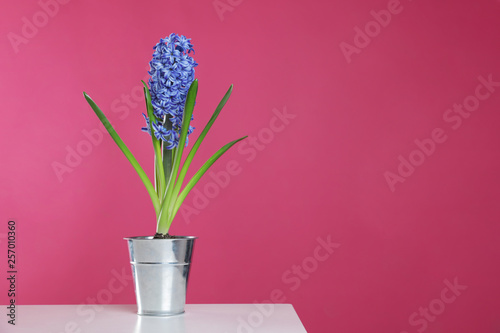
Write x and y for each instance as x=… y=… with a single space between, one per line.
x=204 y=168
x=198 y=142
x=126 y=152
x=186 y=120
x=159 y=173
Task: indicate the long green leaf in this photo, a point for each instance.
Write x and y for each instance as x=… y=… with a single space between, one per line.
x=194 y=180
x=159 y=175
x=186 y=120
x=126 y=151
x=198 y=142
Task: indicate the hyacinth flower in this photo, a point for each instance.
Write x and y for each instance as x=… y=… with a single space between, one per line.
x=170 y=100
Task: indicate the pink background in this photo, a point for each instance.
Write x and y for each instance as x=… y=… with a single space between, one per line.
x=322 y=174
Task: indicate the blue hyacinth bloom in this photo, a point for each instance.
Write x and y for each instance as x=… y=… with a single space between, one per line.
x=147 y=128
x=160 y=132
x=172 y=72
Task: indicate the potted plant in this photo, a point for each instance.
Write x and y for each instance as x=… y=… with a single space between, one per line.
x=160 y=263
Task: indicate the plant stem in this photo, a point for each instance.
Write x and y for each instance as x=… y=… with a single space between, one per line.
x=164 y=219
x=159 y=171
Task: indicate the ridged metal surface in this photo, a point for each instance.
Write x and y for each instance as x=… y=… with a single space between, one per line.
x=161 y=269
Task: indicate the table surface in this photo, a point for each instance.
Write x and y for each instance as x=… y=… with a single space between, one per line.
x=198 y=318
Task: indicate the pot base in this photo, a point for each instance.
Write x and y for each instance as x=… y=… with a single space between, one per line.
x=160 y=314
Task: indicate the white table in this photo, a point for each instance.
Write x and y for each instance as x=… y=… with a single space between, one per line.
x=198 y=318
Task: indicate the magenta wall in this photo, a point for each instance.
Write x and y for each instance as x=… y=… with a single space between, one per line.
x=367 y=195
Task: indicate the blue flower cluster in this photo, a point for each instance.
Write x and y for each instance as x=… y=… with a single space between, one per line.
x=172 y=72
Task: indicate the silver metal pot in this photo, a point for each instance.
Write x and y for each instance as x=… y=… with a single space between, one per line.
x=160 y=268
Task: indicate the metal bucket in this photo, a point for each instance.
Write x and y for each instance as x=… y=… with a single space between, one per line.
x=160 y=268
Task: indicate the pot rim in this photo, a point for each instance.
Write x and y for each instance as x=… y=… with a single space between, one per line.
x=148 y=238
